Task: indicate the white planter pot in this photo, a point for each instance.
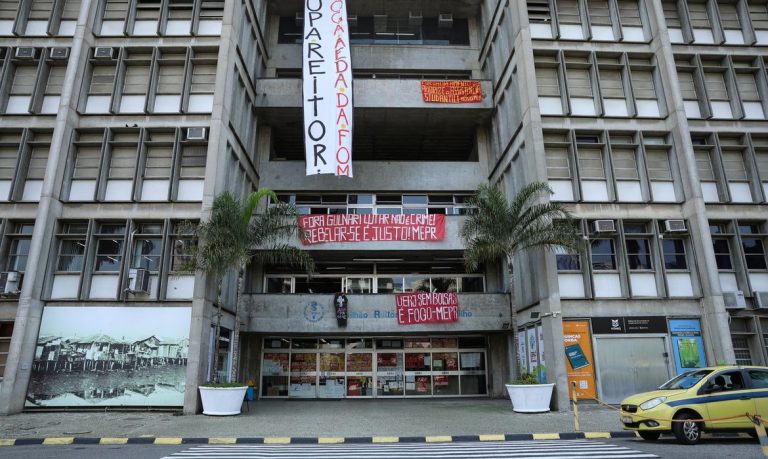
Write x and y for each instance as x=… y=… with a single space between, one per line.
x=530 y=398
x=222 y=401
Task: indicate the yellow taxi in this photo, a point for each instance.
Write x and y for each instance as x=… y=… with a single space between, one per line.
x=705 y=399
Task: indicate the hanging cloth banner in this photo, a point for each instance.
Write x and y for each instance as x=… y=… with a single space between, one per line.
x=426 y=308
x=322 y=228
x=327 y=86
x=452 y=92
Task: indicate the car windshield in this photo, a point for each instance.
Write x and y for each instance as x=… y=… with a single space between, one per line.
x=685 y=380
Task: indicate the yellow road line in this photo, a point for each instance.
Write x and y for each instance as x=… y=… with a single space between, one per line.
x=597 y=435
x=495 y=437
x=7 y=441
x=168 y=441
x=59 y=441
x=325 y=440
x=546 y=436
x=277 y=440
x=113 y=441
x=439 y=439
x=222 y=441
x=386 y=439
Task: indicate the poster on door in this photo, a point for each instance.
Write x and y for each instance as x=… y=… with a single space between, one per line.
x=578 y=358
x=687 y=344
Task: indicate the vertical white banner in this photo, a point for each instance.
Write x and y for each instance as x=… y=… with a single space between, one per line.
x=327 y=87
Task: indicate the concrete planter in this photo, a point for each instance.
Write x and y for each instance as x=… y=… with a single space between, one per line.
x=530 y=398
x=222 y=401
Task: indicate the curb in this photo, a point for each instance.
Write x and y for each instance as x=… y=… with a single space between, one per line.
x=323 y=440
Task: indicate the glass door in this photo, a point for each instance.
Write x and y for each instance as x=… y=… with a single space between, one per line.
x=360 y=367
x=332 y=375
x=445 y=373
x=472 y=373
x=389 y=367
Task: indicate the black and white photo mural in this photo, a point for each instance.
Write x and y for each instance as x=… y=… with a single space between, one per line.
x=110 y=356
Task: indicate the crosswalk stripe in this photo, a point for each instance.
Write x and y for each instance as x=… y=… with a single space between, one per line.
x=549 y=449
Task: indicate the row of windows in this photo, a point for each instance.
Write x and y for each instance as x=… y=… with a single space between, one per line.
x=95 y=259
x=39 y=17
x=382 y=29
x=380 y=283
x=34 y=82
x=740 y=255
x=717 y=21
x=732 y=167
x=604 y=20
x=636 y=259
x=136 y=165
x=23 y=159
x=725 y=87
x=598 y=84
x=378 y=203
x=150 y=80
x=159 y=17
x=611 y=166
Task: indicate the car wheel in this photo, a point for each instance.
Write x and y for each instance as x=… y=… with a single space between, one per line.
x=650 y=436
x=686 y=431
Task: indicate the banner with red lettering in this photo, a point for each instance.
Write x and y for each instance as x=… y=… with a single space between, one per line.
x=427 y=308
x=452 y=92
x=327 y=88
x=371 y=228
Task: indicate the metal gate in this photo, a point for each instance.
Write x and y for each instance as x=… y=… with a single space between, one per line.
x=628 y=365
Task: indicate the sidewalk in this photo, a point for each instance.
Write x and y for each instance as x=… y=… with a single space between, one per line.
x=316 y=418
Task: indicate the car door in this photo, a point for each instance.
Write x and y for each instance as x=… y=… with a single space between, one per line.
x=759 y=379
x=729 y=399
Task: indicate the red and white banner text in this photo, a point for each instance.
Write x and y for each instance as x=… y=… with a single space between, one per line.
x=427 y=308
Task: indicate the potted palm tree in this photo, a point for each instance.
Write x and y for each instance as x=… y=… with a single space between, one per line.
x=228 y=241
x=498 y=230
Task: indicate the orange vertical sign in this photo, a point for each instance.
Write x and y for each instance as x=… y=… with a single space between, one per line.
x=578 y=357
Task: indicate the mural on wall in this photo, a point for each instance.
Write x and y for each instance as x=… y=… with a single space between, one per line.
x=110 y=356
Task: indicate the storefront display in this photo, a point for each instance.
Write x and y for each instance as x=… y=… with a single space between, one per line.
x=364 y=367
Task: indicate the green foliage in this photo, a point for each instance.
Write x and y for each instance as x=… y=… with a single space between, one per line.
x=530 y=377
x=499 y=229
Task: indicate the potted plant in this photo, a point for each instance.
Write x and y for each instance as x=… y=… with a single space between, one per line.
x=498 y=229
x=228 y=241
x=529 y=393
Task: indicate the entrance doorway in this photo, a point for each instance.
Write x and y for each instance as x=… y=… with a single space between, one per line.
x=628 y=365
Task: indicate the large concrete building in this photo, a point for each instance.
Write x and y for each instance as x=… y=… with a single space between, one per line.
x=120 y=119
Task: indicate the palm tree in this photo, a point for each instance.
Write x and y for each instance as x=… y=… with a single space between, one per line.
x=233 y=237
x=498 y=229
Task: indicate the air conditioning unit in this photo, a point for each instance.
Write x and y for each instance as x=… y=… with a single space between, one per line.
x=761 y=300
x=25 y=52
x=58 y=53
x=415 y=18
x=138 y=280
x=445 y=20
x=197 y=133
x=352 y=20
x=604 y=226
x=734 y=300
x=675 y=226
x=10 y=283
x=104 y=52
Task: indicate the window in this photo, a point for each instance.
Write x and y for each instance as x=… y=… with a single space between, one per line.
x=18 y=251
x=674 y=254
x=591 y=163
x=638 y=254
x=754 y=253
x=101 y=88
x=558 y=165
x=625 y=164
x=759 y=379
x=722 y=251
x=658 y=165
x=147 y=246
x=109 y=247
x=6 y=331
x=71 y=247
x=193 y=161
x=741 y=349
x=603 y=255
x=182 y=243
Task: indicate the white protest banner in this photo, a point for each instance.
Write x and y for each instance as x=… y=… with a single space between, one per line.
x=327 y=88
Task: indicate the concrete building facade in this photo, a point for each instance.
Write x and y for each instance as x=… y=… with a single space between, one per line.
x=122 y=119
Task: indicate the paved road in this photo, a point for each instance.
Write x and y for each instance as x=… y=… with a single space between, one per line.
x=666 y=448
x=469 y=450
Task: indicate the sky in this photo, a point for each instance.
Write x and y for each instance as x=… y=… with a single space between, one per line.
x=118 y=322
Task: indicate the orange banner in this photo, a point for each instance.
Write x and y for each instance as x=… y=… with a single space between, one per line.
x=452 y=92
x=578 y=358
